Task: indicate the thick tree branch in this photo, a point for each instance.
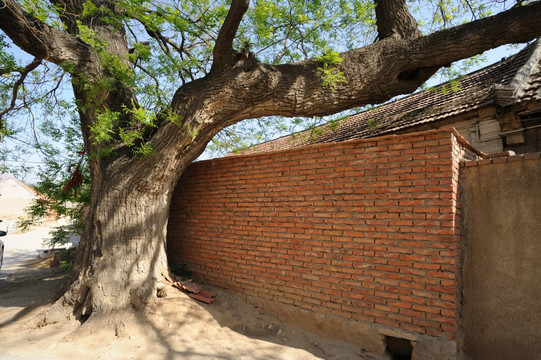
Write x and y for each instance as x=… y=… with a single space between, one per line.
x=223 y=50
x=394 y=19
x=391 y=67
x=517 y=25
x=374 y=73
x=39 y=39
x=68 y=11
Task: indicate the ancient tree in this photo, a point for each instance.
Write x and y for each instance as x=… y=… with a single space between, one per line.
x=137 y=155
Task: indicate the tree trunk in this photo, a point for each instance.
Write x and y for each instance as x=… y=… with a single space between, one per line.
x=122 y=254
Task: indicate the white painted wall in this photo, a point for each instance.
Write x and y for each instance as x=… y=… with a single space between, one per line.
x=14 y=198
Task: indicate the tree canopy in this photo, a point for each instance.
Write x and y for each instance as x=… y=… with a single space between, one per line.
x=171 y=44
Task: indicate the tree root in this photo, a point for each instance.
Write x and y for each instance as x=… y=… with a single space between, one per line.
x=115 y=325
x=78 y=304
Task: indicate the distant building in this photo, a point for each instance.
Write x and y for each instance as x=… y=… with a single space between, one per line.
x=15 y=196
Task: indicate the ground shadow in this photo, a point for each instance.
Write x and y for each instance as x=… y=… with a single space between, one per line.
x=166 y=320
x=232 y=312
x=29 y=288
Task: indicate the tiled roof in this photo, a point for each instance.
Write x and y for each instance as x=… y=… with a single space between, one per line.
x=474 y=91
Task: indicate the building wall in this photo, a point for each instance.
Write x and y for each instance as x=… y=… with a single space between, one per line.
x=361 y=231
x=15 y=197
x=480 y=128
x=502 y=257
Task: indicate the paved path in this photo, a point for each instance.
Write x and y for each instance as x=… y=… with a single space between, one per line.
x=19 y=248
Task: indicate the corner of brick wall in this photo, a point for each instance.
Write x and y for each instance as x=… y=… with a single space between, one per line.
x=365 y=230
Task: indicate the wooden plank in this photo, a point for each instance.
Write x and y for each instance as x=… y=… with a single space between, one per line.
x=168 y=278
x=192 y=287
x=208 y=294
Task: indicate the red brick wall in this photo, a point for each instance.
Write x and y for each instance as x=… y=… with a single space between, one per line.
x=365 y=230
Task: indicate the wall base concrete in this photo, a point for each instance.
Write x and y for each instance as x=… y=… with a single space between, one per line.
x=369 y=337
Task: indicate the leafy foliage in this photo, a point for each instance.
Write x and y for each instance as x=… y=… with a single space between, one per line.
x=296 y=30
x=63 y=185
x=331 y=76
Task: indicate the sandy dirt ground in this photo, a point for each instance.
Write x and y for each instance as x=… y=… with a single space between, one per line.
x=175 y=327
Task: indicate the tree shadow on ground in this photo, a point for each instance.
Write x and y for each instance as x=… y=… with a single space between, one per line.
x=276 y=339
x=29 y=289
x=175 y=327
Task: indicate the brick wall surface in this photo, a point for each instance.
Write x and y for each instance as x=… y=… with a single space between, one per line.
x=366 y=230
